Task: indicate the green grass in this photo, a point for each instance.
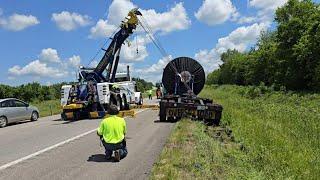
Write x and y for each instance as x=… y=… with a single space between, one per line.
x=275 y=136
x=48 y=107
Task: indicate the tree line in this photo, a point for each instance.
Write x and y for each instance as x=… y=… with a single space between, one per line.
x=142 y=85
x=288 y=57
x=31 y=92
x=36 y=92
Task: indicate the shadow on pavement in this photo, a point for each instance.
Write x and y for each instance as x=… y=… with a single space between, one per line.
x=20 y=122
x=99 y=158
x=71 y=121
x=168 y=122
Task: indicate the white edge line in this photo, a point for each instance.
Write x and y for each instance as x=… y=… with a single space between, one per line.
x=51 y=147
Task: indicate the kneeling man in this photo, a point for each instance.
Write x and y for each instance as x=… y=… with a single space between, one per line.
x=112 y=131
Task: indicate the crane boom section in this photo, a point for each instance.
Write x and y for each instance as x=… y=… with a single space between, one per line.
x=107 y=61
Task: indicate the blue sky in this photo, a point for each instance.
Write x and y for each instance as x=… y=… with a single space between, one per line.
x=46 y=41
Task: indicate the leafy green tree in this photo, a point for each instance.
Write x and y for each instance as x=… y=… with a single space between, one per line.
x=298 y=38
x=288 y=57
x=214 y=77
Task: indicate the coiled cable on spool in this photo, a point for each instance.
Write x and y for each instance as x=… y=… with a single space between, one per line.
x=158 y=45
x=190 y=72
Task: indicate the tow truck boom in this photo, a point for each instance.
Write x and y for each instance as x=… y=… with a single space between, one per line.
x=108 y=61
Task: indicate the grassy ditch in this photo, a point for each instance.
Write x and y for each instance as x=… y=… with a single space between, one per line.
x=275 y=135
x=48 y=108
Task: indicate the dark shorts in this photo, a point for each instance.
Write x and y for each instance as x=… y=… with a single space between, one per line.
x=122 y=146
x=113 y=147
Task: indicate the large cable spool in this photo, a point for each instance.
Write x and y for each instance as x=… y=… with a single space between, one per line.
x=183 y=71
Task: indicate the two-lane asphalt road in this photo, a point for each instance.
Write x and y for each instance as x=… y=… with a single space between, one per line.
x=50 y=149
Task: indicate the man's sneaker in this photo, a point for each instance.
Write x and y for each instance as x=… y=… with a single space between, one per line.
x=108 y=158
x=117 y=156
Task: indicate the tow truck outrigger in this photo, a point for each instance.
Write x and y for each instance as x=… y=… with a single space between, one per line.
x=97 y=89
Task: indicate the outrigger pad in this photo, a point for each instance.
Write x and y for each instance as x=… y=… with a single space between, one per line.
x=146 y=106
x=126 y=113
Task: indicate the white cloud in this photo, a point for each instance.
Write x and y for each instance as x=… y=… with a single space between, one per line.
x=267 y=4
x=266 y=8
x=246 y=20
x=122 y=67
x=49 y=55
x=154 y=72
x=118 y=10
x=174 y=19
x=67 y=21
x=137 y=51
x=210 y=60
x=18 y=22
x=214 y=12
x=239 y=39
x=130 y=54
x=49 y=65
x=37 y=69
x=102 y=29
x=75 y=61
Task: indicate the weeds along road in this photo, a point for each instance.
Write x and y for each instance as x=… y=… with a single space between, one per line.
x=82 y=158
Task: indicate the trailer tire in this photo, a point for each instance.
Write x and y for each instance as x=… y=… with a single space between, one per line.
x=216 y=122
x=162 y=113
x=163 y=118
x=217 y=119
x=208 y=122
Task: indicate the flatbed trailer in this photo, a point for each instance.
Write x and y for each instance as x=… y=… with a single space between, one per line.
x=177 y=107
x=183 y=79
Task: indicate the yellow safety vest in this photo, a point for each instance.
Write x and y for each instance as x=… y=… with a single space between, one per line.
x=113 y=129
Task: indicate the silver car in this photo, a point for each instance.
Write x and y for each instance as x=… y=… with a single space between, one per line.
x=14 y=110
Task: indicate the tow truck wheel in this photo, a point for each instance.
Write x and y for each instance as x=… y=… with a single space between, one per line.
x=119 y=102
x=125 y=102
x=63 y=116
x=114 y=101
x=76 y=116
x=140 y=100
